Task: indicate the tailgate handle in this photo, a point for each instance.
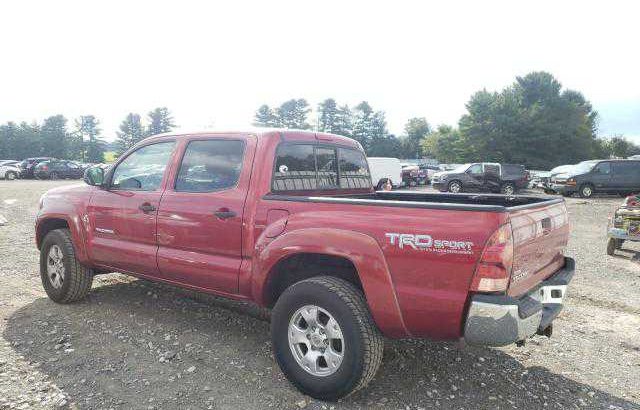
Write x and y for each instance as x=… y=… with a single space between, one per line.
x=546 y=225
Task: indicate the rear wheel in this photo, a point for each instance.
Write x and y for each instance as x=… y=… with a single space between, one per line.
x=454 y=187
x=324 y=338
x=586 y=191
x=611 y=246
x=63 y=277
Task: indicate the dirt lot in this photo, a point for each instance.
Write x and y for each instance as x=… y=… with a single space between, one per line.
x=135 y=344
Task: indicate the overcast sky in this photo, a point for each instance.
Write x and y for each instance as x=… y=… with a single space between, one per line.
x=213 y=63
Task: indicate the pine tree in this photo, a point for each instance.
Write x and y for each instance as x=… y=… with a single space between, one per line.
x=160 y=121
x=265 y=117
x=131 y=131
x=327 y=115
x=416 y=130
x=344 y=121
x=53 y=136
x=92 y=147
x=293 y=114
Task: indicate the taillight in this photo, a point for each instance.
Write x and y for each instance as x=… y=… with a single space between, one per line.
x=45 y=168
x=494 y=268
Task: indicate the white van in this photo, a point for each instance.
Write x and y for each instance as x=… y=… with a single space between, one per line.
x=382 y=168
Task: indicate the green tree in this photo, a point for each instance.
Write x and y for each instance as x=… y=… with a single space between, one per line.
x=88 y=128
x=9 y=135
x=416 y=129
x=265 y=117
x=369 y=126
x=533 y=122
x=160 y=121
x=293 y=114
x=53 y=135
x=327 y=116
x=131 y=131
x=444 y=144
x=343 y=122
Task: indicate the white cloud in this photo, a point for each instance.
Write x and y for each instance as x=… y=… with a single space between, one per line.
x=216 y=62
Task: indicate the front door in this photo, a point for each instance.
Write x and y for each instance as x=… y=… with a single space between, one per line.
x=475 y=177
x=122 y=217
x=601 y=176
x=200 y=214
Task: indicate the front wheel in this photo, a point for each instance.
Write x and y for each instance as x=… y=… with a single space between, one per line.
x=324 y=338
x=586 y=191
x=10 y=175
x=454 y=187
x=63 y=277
x=611 y=246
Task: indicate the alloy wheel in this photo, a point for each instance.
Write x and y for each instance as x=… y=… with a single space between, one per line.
x=55 y=266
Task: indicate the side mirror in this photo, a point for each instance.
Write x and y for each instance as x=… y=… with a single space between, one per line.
x=94 y=176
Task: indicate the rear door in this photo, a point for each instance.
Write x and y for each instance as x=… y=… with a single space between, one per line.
x=200 y=215
x=625 y=175
x=122 y=217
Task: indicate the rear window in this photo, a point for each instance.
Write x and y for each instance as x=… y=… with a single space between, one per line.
x=626 y=168
x=304 y=167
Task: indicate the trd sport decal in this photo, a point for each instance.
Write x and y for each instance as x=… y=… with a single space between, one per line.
x=428 y=244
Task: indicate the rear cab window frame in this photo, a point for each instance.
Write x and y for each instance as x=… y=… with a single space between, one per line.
x=337 y=148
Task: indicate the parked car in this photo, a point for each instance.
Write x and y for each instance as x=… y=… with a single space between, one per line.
x=9 y=162
x=9 y=170
x=411 y=175
x=385 y=169
x=58 y=169
x=613 y=176
x=28 y=165
x=483 y=177
x=624 y=225
x=290 y=221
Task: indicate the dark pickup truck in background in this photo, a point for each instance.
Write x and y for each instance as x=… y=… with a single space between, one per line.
x=482 y=177
x=289 y=220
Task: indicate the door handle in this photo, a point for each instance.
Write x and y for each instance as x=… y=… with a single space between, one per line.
x=147 y=207
x=224 y=213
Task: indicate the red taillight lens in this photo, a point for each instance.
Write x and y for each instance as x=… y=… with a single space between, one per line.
x=45 y=168
x=494 y=268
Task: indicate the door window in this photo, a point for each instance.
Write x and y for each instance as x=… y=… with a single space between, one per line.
x=144 y=168
x=475 y=169
x=626 y=168
x=210 y=165
x=603 y=168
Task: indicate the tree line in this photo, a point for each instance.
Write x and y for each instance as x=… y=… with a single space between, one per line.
x=533 y=121
x=82 y=141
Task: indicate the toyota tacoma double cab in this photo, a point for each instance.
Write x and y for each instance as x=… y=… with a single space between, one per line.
x=289 y=220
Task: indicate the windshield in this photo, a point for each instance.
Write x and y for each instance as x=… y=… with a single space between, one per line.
x=461 y=168
x=584 y=167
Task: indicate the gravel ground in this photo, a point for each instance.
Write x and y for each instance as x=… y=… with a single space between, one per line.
x=137 y=345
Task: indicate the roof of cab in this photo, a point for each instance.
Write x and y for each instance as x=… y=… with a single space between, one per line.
x=284 y=133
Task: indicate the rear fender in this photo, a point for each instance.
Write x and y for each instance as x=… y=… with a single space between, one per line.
x=362 y=250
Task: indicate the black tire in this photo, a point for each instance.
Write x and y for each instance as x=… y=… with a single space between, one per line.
x=363 y=342
x=453 y=184
x=586 y=190
x=10 y=175
x=611 y=246
x=619 y=243
x=77 y=278
x=508 y=189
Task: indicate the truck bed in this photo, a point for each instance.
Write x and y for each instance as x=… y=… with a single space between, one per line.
x=428 y=200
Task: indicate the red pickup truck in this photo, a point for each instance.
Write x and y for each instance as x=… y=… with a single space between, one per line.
x=290 y=220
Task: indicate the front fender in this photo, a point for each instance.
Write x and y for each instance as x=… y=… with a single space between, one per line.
x=362 y=250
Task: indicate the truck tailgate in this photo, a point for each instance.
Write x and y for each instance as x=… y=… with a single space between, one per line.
x=540 y=235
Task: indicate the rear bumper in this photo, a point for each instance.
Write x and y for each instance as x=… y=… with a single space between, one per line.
x=500 y=320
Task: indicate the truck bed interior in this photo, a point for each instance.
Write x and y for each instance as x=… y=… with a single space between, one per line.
x=413 y=199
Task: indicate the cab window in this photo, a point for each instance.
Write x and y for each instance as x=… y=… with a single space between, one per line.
x=603 y=168
x=210 y=165
x=354 y=170
x=475 y=169
x=144 y=168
